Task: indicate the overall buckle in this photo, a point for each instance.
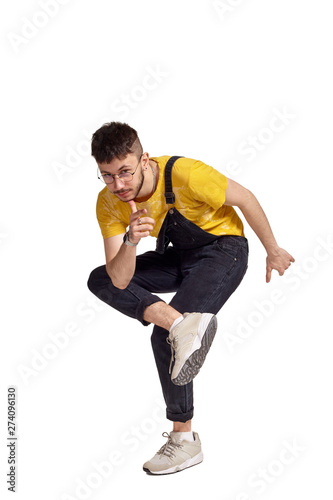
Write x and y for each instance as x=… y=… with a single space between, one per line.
x=170 y=198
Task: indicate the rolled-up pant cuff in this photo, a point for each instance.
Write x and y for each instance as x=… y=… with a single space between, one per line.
x=143 y=304
x=180 y=417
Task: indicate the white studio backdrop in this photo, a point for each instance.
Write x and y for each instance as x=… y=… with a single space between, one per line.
x=245 y=86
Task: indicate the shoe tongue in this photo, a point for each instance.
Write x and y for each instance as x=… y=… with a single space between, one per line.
x=176 y=437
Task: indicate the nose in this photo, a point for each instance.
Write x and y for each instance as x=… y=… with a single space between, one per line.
x=117 y=181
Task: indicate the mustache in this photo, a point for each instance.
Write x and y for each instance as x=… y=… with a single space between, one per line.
x=121 y=191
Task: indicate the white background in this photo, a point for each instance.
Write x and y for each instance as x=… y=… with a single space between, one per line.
x=221 y=76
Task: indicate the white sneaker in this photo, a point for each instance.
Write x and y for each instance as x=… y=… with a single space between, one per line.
x=190 y=342
x=176 y=455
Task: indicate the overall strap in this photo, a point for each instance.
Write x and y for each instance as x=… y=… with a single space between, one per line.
x=169 y=194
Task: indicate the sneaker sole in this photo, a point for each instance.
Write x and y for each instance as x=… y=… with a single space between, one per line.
x=191 y=462
x=193 y=364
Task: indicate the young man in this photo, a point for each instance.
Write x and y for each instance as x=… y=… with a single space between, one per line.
x=190 y=205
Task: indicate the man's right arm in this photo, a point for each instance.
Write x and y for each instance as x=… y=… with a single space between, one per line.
x=121 y=258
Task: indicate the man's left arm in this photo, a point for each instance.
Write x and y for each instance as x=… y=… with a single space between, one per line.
x=277 y=258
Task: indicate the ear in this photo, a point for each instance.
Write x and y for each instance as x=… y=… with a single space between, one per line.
x=146 y=161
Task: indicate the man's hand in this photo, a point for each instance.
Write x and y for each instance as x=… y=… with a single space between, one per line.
x=279 y=260
x=140 y=227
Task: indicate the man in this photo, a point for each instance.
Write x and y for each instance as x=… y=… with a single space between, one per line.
x=190 y=205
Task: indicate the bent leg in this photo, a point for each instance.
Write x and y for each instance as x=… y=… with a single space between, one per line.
x=154 y=273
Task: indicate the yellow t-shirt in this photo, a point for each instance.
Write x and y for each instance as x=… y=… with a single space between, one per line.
x=200 y=194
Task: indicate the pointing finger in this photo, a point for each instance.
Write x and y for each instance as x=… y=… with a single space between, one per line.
x=268 y=274
x=133 y=206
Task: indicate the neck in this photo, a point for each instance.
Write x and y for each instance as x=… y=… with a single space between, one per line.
x=151 y=185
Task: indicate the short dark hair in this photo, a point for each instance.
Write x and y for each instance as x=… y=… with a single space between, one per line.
x=115 y=140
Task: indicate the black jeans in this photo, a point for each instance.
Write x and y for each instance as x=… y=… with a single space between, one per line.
x=203 y=279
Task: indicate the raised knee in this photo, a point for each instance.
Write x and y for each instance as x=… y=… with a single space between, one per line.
x=96 y=279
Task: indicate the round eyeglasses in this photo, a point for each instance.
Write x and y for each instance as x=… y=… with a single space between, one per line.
x=124 y=176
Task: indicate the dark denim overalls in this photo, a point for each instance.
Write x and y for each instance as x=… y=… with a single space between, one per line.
x=203 y=269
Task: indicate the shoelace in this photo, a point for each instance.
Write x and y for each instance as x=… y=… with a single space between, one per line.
x=170 y=447
x=173 y=344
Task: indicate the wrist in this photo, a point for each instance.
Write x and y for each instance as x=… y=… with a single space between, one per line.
x=127 y=240
x=273 y=250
